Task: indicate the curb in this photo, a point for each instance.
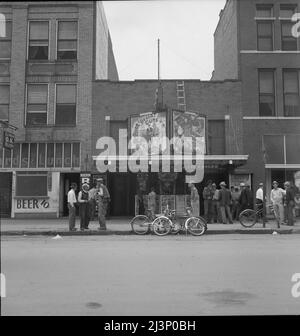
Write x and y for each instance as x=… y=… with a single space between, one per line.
x=130 y=233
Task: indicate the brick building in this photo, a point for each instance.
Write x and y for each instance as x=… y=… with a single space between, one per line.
x=254 y=44
x=115 y=103
x=49 y=56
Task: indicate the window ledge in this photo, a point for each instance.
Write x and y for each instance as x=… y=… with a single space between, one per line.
x=30 y=197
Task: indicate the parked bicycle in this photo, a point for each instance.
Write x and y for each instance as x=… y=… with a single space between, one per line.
x=249 y=217
x=168 y=222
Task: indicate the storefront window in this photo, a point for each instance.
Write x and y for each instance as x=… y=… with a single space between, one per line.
x=33 y=155
x=31 y=184
x=42 y=155
x=24 y=155
x=16 y=156
x=67 y=155
x=50 y=155
x=76 y=155
x=7 y=158
x=58 y=155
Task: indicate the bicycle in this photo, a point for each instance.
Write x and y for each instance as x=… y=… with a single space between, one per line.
x=142 y=224
x=249 y=217
x=166 y=223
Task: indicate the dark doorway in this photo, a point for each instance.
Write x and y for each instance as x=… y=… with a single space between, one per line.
x=5 y=194
x=65 y=183
x=122 y=188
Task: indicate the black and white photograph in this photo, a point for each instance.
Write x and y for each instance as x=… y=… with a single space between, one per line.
x=150 y=161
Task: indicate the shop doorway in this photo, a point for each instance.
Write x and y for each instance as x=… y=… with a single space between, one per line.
x=122 y=188
x=65 y=182
x=5 y=194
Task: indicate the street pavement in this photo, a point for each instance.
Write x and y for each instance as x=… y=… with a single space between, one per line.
x=122 y=226
x=150 y=275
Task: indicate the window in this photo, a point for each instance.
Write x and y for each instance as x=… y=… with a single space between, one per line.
x=266 y=93
x=265 y=36
x=287 y=10
x=42 y=155
x=288 y=41
x=216 y=137
x=37 y=104
x=67 y=40
x=4 y=102
x=32 y=184
x=5 y=40
x=38 y=40
x=65 y=105
x=291 y=93
x=264 y=11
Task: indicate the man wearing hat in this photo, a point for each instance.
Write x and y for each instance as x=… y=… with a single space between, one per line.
x=259 y=197
x=244 y=201
x=102 y=199
x=225 y=200
x=84 y=211
x=277 y=197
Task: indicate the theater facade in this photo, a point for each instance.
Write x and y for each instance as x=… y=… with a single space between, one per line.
x=161 y=113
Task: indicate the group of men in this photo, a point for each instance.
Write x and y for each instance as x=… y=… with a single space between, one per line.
x=88 y=200
x=224 y=205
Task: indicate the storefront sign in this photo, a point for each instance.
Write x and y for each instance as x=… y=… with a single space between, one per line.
x=85 y=178
x=9 y=140
x=32 y=204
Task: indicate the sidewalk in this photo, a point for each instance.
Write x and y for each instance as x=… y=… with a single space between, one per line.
x=121 y=226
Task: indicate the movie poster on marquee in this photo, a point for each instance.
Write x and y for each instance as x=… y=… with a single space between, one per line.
x=152 y=127
x=188 y=125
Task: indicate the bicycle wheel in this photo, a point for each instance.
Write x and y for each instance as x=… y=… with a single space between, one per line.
x=162 y=226
x=248 y=218
x=140 y=224
x=176 y=227
x=196 y=226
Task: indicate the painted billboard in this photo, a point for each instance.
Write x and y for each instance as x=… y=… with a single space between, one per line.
x=146 y=132
x=188 y=125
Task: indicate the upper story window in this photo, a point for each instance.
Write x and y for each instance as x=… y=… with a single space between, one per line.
x=216 y=137
x=37 y=104
x=288 y=41
x=4 y=102
x=265 y=36
x=291 y=93
x=65 y=105
x=38 y=48
x=266 y=92
x=287 y=10
x=264 y=11
x=67 y=40
x=5 y=40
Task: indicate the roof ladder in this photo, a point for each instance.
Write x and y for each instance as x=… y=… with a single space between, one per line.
x=180 y=95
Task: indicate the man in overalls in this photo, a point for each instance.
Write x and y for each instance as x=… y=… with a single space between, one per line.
x=102 y=198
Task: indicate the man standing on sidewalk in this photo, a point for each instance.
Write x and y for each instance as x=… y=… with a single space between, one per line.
x=71 y=206
x=208 y=194
x=276 y=197
x=195 y=205
x=289 y=203
x=102 y=199
x=225 y=200
x=84 y=211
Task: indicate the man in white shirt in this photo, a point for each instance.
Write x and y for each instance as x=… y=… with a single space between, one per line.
x=71 y=206
x=276 y=197
x=259 y=199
